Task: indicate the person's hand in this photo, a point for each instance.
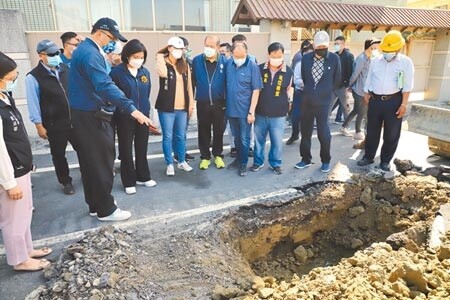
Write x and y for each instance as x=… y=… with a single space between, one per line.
x=290 y=106
x=250 y=119
x=141 y=118
x=15 y=193
x=191 y=110
x=42 y=132
x=366 y=99
x=401 y=111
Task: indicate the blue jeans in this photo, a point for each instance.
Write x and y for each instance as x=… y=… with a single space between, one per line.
x=241 y=132
x=173 y=125
x=275 y=128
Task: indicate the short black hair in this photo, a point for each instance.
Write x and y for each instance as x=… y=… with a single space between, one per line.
x=7 y=64
x=132 y=47
x=67 y=36
x=239 y=43
x=275 y=47
x=227 y=45
x=306 y=45
x=238 y=38
x=185 y=41
x=340 y=38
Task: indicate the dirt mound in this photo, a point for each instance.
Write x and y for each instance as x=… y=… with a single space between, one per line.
x=102 y=265
x=315 y=238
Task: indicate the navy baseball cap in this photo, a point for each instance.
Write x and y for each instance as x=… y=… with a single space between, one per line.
x=111 y=26
x=47 y=47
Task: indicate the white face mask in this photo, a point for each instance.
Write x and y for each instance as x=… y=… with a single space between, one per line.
x=136 y=63
x=375 y=53
x=239 y=61
x=177 y=53
x=209 y=52
x=275 y=62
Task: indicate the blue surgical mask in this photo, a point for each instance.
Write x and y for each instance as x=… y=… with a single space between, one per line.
x=53 y=61
x=337 y=47
x=110 y=47
x=389 y=56
x=10 y=85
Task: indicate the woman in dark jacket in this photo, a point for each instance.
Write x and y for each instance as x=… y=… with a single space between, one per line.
x=16 y=204
x=134 y=80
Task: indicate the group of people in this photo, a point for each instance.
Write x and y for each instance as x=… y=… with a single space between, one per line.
x=84 y=92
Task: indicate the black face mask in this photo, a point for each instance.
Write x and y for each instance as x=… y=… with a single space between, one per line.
x=321 y=52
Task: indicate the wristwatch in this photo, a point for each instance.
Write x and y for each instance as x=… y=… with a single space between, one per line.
x=251 y=114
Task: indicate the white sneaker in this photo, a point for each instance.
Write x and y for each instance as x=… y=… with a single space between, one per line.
x=184 y=166
x=149 y=183
x=130 y=190
x=345 y=131
x=170 y=171
x=359 y=136
x=117 y=215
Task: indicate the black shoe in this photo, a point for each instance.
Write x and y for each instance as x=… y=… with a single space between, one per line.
x=385 y=166
x=68 y=189
x=256 y=168
x=291 y=140
x=364 y=162
x=250 y=152
x=243 y=170
x=233 y=152
x=277 y=170
x=189 y=157
x=233 y=165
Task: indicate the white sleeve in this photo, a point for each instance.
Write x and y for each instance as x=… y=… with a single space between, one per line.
x=7 y=179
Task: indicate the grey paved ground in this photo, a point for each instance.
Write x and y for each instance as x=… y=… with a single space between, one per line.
x=57 y=216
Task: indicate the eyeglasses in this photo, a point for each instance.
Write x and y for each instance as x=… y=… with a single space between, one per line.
x=52 y=54
x=13 y=80
x=71 y=44
x=111 y=38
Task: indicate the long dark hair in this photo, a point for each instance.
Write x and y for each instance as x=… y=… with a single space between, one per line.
x=7 y=64
x=181 y=64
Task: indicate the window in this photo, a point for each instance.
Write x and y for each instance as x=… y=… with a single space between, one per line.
x=71 y=15
x=106 y=8
x=138 y=14
x=168 y=15
x=194 y=14
x=38 y=13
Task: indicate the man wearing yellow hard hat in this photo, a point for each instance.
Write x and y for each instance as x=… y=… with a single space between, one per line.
x=387 y=88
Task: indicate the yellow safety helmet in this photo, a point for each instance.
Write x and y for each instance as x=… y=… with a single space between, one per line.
x=392 y=41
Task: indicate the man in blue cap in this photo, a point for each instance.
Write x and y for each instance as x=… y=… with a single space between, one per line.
x=49 y=109
x=93 y=98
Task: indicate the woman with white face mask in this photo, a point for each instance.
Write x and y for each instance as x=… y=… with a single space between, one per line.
x=175 y=102
x=134 y=80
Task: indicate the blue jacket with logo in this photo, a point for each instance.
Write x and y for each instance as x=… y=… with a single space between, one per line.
x=90 y=86
x=136 y=88
x=209 y=89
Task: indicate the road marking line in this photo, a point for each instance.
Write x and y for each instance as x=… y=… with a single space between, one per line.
x=163 y=217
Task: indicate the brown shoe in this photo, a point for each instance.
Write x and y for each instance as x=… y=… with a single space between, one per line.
x=360 y=145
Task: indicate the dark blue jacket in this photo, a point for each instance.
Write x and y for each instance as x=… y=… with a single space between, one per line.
x=136 y=88
x=90 y=86
x=206 y=89
x=322 y=94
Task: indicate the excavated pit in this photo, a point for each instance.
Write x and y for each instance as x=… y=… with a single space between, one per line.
x=329 y=221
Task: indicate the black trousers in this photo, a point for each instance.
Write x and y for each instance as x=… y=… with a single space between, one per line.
x=129 y=130
x=96 y=156
x=210 y=116
x=58 y=143
x=381 y=114
x=308 y=112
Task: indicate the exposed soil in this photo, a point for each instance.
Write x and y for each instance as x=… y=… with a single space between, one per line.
x=365 y=239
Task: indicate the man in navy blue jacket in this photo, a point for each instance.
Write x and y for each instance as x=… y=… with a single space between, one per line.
x=93 y=97
x=208 y=74
x=321 y=73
